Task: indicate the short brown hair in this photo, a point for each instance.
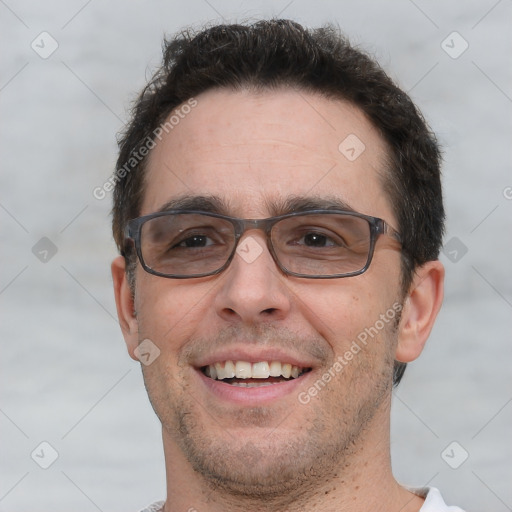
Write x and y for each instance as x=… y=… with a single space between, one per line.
x=281 y=53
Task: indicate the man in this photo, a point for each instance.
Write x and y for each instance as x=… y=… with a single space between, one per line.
x=279 y=215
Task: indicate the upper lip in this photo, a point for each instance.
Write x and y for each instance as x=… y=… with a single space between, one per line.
x=238 y=353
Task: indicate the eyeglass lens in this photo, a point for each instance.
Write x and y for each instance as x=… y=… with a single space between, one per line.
x=191 y=244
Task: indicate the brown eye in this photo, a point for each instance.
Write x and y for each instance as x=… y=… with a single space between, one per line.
x=195 y=241
x=317 y=240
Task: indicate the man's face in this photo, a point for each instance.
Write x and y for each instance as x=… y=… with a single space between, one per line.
x=253 y=152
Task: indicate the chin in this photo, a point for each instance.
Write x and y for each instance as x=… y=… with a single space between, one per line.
x=262 y=462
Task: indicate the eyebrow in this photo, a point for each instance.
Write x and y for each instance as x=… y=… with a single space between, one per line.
x=210 y=204
x=293 y=204
x=306 y=203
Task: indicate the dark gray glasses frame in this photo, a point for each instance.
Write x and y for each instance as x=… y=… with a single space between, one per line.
x=378 y=227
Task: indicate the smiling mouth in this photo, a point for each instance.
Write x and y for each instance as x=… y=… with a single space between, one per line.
x=245 y=374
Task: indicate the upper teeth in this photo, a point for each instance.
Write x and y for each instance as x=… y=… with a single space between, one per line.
x=245 y=370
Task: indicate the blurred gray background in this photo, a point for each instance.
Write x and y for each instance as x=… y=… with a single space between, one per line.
x=65 y=377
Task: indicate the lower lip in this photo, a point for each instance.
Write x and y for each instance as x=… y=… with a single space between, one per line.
x=253 y=395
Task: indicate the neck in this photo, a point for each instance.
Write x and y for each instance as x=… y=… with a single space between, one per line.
x=361 y=482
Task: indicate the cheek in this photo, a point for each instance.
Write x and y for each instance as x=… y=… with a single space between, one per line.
x=169 y=311
x=343 y=312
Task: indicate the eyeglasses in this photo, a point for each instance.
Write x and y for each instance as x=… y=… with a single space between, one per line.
x=316 y=244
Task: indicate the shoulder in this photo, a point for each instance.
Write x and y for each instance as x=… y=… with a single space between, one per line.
x=158 y=506
x=434 y=501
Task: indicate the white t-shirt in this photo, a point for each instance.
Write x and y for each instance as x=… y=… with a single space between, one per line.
x=433 y=502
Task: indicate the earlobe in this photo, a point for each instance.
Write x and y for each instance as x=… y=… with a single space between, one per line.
x=125 y=305
x=420 y=310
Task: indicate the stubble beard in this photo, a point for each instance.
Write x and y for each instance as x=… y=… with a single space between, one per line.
x=279 y=464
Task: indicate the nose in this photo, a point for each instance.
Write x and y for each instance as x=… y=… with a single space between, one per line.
x=253 y=289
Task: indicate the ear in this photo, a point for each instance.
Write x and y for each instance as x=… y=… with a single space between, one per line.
x=420 y=310
x=125 y=306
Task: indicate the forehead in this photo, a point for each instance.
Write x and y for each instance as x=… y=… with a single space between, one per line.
x=253 y=150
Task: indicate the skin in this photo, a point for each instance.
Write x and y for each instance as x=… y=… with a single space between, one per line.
x=253 y=151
